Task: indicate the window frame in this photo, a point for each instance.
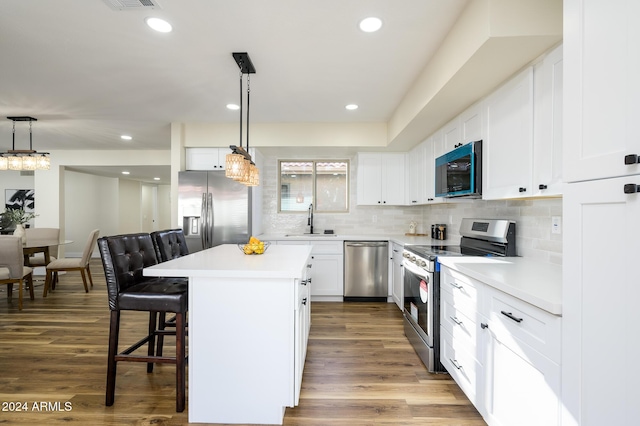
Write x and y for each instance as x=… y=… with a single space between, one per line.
x=314 y=184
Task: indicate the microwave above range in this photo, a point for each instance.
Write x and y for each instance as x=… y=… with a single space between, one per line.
x=459 y=172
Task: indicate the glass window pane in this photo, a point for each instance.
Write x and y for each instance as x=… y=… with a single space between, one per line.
x=331 y=186
x=296 y=185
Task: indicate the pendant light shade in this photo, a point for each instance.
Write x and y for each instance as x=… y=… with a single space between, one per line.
x=234 y=166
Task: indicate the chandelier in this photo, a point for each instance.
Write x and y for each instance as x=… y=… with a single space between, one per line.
x=24 y=159
x=238 y=164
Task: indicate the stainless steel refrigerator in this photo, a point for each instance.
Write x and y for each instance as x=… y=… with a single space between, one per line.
x=214 y=210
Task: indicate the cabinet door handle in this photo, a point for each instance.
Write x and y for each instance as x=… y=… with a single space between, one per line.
x=631 y=188
x=309 y=265
x=304 y=301
x=522 y=189
x=455 y=364
x=631 y=159
x=542 y=186
x=510 y=315
x=456 y=320
x=483 y=325
x=456 y=285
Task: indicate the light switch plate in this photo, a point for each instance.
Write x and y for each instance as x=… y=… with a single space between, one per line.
x=556 y=225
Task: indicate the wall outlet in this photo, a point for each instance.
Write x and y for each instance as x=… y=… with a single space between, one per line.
x=556 y=225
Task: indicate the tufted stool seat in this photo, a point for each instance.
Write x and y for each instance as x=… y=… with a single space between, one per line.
x=124 y=257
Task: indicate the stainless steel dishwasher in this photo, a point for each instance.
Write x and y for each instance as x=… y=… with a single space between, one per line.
x=366 y=270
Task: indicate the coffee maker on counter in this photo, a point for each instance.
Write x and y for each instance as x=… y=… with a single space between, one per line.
x=439 y=231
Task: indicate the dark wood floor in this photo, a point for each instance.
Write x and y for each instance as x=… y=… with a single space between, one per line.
x=360 y=369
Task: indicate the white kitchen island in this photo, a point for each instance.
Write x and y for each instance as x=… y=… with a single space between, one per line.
x=249 y=318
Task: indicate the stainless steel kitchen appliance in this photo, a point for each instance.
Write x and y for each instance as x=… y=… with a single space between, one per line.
x=214 y=210
x=480 y=237
x=366 y=270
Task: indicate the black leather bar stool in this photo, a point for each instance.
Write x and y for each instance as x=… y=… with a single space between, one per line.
x=123 y=258
x=170 y=244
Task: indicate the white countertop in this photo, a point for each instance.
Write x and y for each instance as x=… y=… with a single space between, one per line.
x=537 y=283
x=228 y=261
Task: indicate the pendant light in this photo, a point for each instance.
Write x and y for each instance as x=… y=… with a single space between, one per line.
x=238 y=164
x=24 y=159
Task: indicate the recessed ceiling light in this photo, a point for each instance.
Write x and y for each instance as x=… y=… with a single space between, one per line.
x=159 y=25
x=125 y=173
x=126 y=137
x=156 y=178
x=371 y=24
x=351 y=107
x=233 y=107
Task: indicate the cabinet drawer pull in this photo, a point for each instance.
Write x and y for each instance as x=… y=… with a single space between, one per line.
x=483 y=325
x=542 y=186
x=522 y=189
x=455 y=364
x=631 y=159
x=304 y=282
x=456 y=285
x=510 y=315
x=631 y=188
x=456 y=320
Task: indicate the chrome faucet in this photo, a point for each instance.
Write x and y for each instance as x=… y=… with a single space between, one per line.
x=310 y=219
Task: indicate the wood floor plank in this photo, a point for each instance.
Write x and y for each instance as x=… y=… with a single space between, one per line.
x=360 y=369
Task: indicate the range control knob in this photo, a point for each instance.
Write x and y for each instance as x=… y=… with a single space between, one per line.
x=406 y=255
x=413 y=259
x=422 y=263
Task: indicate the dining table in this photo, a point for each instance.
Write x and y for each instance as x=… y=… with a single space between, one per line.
x=41 y=245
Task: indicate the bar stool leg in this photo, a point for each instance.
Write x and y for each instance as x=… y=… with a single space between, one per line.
x=180 y=362
x=114 y=330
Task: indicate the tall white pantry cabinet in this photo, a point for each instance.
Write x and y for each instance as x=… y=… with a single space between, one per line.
x=601 y=203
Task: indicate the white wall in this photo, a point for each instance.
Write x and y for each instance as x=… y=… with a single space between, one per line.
x=91 y=202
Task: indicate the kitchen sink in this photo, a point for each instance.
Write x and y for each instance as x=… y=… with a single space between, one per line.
x=310 y=235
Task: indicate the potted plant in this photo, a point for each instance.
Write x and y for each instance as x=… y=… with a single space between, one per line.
x=19 y=218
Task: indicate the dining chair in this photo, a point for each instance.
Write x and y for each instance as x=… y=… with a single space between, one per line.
x=12 y=269
x=72 y=264
x=43 y=234
x=124 y=257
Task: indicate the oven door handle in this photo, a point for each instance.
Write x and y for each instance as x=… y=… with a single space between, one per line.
x=415 y=270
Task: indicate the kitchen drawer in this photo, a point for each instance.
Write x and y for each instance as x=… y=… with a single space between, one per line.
x=512 y=320
x=464 y=290
x=463 y=326
x=327 y=247
x=462 y=366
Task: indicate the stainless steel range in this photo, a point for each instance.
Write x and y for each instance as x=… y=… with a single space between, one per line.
x=480 y=237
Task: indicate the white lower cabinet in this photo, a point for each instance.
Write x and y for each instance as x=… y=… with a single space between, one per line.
x=397 y=275
x=522 y=362
x=503 y=353
x=327 y=268
x=302 y=327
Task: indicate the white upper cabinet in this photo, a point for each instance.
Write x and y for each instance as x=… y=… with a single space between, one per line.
x=451 y=135
x=417 y=174
x=508 y=147
x=471 y=124
x=602 y=59
x=381 y=178
x=206 y=158
x=547 y=131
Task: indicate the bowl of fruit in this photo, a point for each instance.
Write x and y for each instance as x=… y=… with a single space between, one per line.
x=254 y=246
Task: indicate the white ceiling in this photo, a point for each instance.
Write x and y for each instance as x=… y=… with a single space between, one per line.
x=89 y=73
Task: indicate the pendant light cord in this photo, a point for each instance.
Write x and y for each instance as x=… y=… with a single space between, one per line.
x=248 y=93
x=240 y=108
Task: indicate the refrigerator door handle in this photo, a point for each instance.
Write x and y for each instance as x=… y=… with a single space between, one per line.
x=203 y=222
x=210 y=221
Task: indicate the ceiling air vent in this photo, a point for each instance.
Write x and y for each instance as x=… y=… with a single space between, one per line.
x=132 y=4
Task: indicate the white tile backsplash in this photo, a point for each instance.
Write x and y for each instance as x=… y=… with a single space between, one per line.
x=533 y=216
